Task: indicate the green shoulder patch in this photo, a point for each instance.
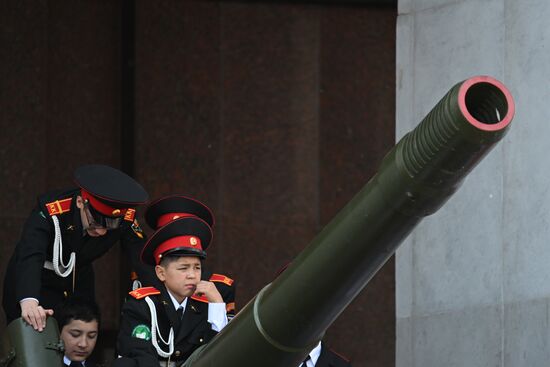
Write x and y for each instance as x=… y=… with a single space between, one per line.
x=142 y=332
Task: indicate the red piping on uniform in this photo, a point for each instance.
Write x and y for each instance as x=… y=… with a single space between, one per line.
x=167 y=218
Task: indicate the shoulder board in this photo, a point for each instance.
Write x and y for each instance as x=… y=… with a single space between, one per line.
x=143 y=292
x=59 y=206
x=220 y=278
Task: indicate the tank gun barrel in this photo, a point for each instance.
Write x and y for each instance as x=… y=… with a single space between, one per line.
x=287 y=318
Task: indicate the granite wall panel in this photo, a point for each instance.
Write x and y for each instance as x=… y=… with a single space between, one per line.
x=60 y=101
x=10 y=232
x=178 y=98
x=22 y=104
x=273 y=114
x=83 y=105
x=270 y=112
x=356 y=130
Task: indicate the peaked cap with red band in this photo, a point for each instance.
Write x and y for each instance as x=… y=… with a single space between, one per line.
x=181 y=237
x=162 y=211
x=108 y=190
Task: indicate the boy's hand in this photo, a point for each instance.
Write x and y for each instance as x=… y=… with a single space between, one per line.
x=209 y=290
x=34 y=314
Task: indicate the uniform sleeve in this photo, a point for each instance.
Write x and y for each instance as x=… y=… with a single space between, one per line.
x=228 y=294
x=31 y=252
x=134 y=338
x=230 y=301
x=217 y=316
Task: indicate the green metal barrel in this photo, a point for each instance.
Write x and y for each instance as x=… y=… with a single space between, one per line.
x=25 y=347
x=287 y=318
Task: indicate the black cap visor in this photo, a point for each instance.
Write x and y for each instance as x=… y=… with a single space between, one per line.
x=113 y=187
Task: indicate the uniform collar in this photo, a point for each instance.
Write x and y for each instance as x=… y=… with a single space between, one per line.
x=315 y=353
x=175 y=302
x=67 y=361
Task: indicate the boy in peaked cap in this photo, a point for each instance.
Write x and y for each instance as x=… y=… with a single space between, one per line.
x=64 y=234
x=162 y=211
x=167 y=324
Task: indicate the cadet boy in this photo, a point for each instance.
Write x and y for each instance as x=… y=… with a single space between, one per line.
x=64 y=234
x=166 y=324
x=162 y=211
x=78 y=320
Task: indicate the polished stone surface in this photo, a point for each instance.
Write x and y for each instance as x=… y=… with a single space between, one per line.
x=357 y=92
x=473 y=281
x=60 y=107
x=273 y=115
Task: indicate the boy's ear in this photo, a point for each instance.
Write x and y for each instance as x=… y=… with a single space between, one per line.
x=79 y=202
x=160 y=273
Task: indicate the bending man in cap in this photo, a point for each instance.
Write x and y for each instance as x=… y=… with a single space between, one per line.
x=166 y=324
x=64 y=234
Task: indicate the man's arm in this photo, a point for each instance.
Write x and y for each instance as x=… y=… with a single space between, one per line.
x=31 y=252
x=226 y=287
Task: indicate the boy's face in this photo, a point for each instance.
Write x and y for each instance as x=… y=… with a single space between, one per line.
x=79 y=338
x=180 y=276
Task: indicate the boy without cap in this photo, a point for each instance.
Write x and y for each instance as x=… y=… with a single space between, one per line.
x=78 y=320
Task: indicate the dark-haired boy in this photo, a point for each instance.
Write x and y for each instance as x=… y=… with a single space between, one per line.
x=78 y=321
x=166 y=324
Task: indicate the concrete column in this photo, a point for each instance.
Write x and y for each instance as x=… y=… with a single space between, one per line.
x=473 y=280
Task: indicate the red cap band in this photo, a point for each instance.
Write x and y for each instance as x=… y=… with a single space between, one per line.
x=102 y=207
x=192 y=242
x=167 y=218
